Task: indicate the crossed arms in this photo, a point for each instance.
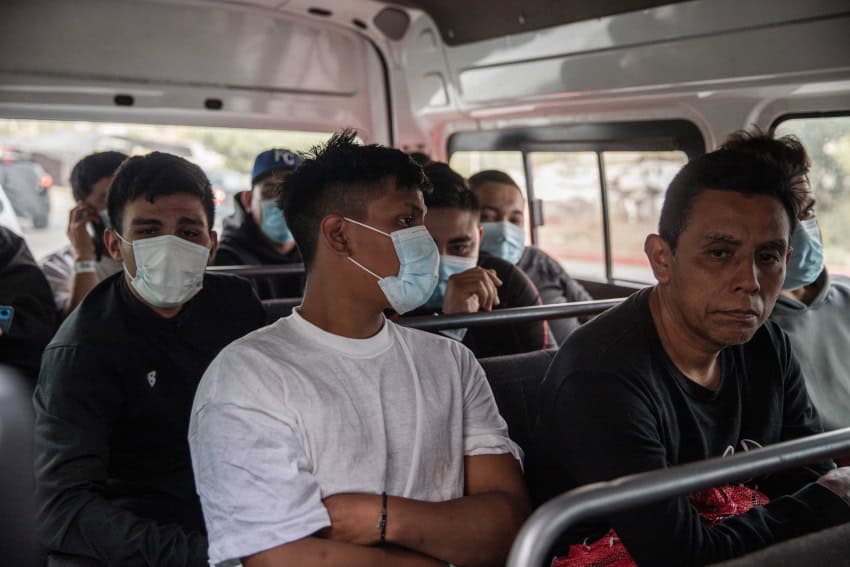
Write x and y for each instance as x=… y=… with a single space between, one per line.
x=476 y=529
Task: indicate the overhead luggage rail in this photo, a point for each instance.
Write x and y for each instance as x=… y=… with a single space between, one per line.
x=260 y=270
x=509 y=315
x=542 y=529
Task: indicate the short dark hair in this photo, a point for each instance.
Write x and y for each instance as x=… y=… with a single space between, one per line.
x=92 y=169
x=155 y=175
x=787 y=151
x=450 y=189
x=342 y=177
x=747 y=173
x=491 y=176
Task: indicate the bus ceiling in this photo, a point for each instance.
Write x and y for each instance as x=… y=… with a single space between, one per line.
x=414 y=72
x=499 y=19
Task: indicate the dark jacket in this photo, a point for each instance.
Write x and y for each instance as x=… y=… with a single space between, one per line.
x=243 y=244
x=113 y=472
x=24 y=288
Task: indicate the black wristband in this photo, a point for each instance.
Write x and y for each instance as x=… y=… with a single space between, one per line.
x=382 y=521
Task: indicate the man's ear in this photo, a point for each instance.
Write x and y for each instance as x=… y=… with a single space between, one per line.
x=660 y=257
x=113 y=244
x=246 y=197
x=213 y=246
x=333 y=237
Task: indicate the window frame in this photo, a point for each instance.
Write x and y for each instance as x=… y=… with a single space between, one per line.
x=658 y=135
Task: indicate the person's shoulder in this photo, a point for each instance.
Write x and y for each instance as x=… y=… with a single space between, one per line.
x=614 y=337
x=841 y=284
x=98 y=318
x=534 y=257
x=259 y=358
x=228 y=285
x=423 y=343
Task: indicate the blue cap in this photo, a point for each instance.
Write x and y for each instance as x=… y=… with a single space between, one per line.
x=273 y=160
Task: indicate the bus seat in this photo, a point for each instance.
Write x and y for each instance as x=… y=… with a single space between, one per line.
x=826 y=547
x=515 y=380
x=17 y=519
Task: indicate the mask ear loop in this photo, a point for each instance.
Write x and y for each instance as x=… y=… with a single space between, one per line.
x=361 y=266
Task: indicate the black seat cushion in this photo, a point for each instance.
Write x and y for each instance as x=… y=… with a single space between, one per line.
x=515 y=380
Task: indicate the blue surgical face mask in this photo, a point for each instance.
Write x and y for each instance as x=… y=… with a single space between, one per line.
x=503 y=239
x=419 y=264
x=806 y=262
x=449 y=266
x=273 y=223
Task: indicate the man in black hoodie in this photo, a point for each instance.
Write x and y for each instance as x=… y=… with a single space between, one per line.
x=256 y=233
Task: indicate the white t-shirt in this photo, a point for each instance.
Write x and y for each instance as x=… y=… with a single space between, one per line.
x=291 y=414
x=59 y=270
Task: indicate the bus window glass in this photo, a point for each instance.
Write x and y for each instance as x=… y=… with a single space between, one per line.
x=636 y=183
x=468 y=163
x=36 y=157
x=568 y=185
x=827 y=141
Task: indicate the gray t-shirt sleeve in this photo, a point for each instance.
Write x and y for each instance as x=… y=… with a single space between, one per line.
x=58 y=268
x=485 y=432
x=253 y=475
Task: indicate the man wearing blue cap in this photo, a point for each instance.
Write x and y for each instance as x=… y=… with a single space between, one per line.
x=256 y=233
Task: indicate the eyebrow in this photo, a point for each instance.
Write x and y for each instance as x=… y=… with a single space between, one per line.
x=713 y=237
x=415 y=208
x=143 y=221
x=778 y=244
x=460 y=240
x=190 y=220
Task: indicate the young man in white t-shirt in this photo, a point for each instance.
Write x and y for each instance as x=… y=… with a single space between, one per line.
x=335 y=437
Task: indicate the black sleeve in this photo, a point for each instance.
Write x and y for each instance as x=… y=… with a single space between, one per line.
x=226 y=257
x=24 y=287
x=600 y=427
x=517 y=290
x=76 y=404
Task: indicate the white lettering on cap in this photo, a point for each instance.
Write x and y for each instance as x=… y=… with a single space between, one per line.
x=286 y=157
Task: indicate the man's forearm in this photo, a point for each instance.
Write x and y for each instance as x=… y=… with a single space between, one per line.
x=473 y=530
x=317 y=552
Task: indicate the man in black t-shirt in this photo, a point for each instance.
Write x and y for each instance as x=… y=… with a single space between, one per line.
x=257 y=233
x=689 y=370
x=113 y=472
x=470 y=282
x=503 y=224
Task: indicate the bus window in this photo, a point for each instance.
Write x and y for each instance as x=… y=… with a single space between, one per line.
x=827 y=140
x=636 y=182
x=37 y=157
x=468 y=163
x=568 y=185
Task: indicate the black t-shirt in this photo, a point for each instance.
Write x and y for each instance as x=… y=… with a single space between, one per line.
x=242 y=244
x=24 y=288
x=511 y=338
x=113 y=402
x=555 y=286
x=614 y=404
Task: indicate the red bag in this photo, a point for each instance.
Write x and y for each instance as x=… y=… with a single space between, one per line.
x=714 y=506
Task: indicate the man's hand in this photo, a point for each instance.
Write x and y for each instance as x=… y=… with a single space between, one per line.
x=471 y=291
x=81 y=242
x=354 y=518
x=838 y=481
